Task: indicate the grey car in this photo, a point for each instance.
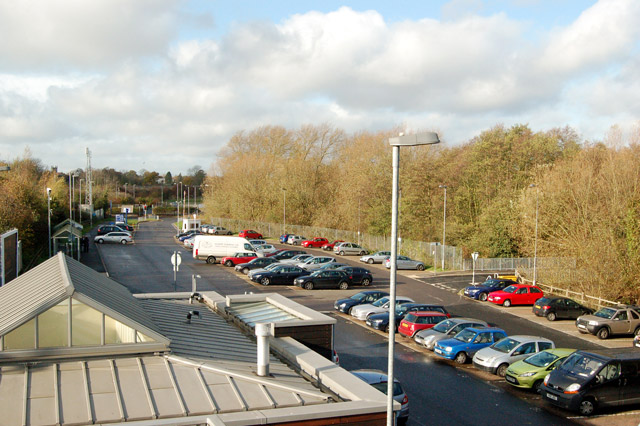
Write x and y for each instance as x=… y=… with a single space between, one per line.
x=121 y=237
x=315 y=263
x=445 y=330
x=405 y=262
x=499 y=356
x=219 y=230
x=611 y=320
x=345 y=249
x=377 y=257
x=380 y=380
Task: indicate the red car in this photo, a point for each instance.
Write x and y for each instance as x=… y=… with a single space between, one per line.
x=420 y=320
x=516 y=294
x=315 y=243
x=250 y=234
x=240 y=257
x=329 y=246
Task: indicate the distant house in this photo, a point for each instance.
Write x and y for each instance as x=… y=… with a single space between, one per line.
x=160 y=181
x=78 y=348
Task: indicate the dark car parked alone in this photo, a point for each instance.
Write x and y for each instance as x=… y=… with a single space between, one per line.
x=369 y=296
x=559 y=308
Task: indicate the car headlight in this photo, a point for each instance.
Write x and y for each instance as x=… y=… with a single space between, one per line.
x=572 y=388
x=448 y=348
x=593 y=322
x=342 y=305
x=257 y=276
x=376 y=321
x=496 y=297
x=528 y=374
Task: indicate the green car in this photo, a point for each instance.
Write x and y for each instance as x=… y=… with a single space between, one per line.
x=530 y=373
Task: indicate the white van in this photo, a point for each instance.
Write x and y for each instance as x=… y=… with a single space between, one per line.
x=213 y=247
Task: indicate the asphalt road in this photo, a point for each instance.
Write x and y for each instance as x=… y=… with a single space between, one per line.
x=439 y=392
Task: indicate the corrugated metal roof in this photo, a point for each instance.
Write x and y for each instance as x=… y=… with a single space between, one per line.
x=252 y=313
x=61 y=276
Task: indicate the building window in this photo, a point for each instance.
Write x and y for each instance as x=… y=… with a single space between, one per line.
x=23 y=337
x=86 y=325
x=53 y=326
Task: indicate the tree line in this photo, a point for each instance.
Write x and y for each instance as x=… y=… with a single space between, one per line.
x=587 y=193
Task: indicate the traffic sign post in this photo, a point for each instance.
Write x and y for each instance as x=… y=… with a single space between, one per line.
x=176 y=260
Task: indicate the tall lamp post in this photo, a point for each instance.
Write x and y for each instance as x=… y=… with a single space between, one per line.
x=535 y=240
x=49 y=217
x=429 y=138
x=284 y=211
x=177 y=209
x=444 y=222
x=80 y=202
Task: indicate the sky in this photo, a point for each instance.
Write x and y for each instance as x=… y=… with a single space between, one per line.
x=162 y=85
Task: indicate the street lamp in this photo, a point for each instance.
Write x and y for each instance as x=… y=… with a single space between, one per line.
x=49 y=217
x=80 y=202
x=177 y=209
x=428 y=138
x=444 y=222
x=535 y=240
x=284 y=211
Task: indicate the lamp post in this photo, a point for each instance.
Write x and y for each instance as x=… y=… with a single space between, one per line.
x=134 y=193
x=474 y=256
x=49 y=217
x=80 y=202
x=535 y=241
x=73 y=195
x=284 y=211
x=70 y=203
x=177 y=210
x=444 y=222
x=429 y=138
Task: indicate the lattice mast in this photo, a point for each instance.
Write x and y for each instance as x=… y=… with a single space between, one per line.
x=89 y=193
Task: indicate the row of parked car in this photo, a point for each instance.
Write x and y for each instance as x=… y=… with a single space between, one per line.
x=569 y=378
x=118 y=232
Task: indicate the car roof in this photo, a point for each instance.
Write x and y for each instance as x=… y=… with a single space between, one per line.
x=479 y=329
x=428 y=313
x=524 y=338
x=372 y=377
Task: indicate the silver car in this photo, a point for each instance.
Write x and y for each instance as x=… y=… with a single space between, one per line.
x=315 y=262
x=299 y=258
x=361 y=312
x=380 y=380
x=445 y=330
x=349 y=248
x=295 y=240
x=405 y=262
x=218 y=230
x=499 y=356
x=377 y=257
x=121 y=237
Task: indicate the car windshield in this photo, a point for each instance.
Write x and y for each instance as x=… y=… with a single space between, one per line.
x=505 y=345
x=444 y=326
x=607 y=313
x=401 y=309
x=271 y=266
x=541 y=359
x=489 y=283
x=465 y=335
x=510 y=289
x=380 y=302
x=581 y=365
x=382 y=387
x=358 y=296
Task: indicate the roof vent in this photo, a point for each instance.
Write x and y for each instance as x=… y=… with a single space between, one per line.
x=192 y=314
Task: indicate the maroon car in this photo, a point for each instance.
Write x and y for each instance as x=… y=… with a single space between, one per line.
x=329 y=246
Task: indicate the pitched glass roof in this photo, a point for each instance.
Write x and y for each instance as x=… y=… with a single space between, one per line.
x=252 y=313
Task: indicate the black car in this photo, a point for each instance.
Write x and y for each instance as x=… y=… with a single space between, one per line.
x=283 y=275
x=105 y=229
x=324 y=279
x=559 y=308
x=258 y=262
x=381 y=321
x=369 y=296
x=288 y=254
x=358 y=275
x=482 y=290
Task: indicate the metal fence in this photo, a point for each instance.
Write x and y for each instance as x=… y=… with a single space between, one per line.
x=512 y=263
x=428 y=252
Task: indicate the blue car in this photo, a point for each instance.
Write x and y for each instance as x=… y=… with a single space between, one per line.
x=467 y=342
x=481 y=291
x=370 y=296
x=381 y=321
x=284 y=237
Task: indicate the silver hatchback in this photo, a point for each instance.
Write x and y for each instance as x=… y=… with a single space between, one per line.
x=121 y=237
x=445 y=330
x=499 y=356
x=349 y=249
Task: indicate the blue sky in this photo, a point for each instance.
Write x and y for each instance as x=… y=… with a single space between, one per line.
x=164 y=84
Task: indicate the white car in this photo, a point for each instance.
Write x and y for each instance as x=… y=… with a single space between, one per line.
x=295 y=240
x=315 y=262
x=361 y=312
x=498 y=357
x=265 y=249
x=300 y=258
x=121 y=237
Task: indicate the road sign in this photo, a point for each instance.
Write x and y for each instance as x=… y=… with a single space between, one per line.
x=474 y=255
x=176 y=259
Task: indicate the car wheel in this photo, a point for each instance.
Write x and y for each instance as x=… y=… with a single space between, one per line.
x=295 y=243
x=587 y=407
x=308 y=285
x=215 y=233
x=370 y=261
x=100 y=241
x=123 y=241
x=420 y=267
x=461 y=358
x=341 y=253
x=551 y=316
x=228 y=263
x=637 y=332
x=265 y=281
x=211 y=260
x=366 y=282
x=386 y=328
x=350 y=310
x=344 y=285
x=603 y=333
x=483 y=297
x=502 y=370
x=506 y=303
x=537 y=386
x=362 y=253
